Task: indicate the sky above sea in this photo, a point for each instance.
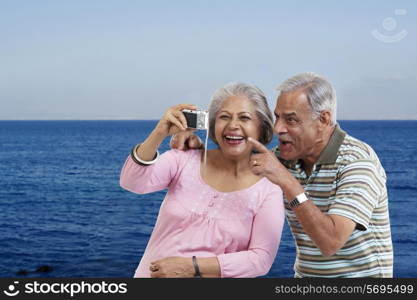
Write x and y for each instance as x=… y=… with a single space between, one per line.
x=133 y=59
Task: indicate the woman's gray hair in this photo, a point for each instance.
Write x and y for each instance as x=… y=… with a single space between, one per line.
x=320 y=93
x=255 y=95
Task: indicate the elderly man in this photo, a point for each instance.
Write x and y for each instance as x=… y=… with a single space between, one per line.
x=334 y=184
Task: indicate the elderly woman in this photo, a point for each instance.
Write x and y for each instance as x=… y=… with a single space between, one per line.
x=218 y=219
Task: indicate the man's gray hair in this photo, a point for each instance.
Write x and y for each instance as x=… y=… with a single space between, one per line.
x=320 y=93
x=255 y=95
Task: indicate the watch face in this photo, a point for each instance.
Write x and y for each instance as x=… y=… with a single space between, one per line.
x=298 y=200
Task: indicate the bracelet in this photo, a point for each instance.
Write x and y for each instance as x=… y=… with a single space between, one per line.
x=197 y=273
x=139 y=161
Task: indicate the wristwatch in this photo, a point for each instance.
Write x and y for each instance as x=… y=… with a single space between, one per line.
x=298 y=200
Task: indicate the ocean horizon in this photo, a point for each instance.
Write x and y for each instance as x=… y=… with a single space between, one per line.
x=63 y=213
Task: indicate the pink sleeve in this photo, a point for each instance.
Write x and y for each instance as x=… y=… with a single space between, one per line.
x=147 y=179
x=264 y=242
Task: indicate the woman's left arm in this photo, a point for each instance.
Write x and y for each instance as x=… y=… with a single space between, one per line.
x=183 y=267
x=263 y=245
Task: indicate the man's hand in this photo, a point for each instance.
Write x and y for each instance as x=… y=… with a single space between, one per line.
x=265 y=163
x=185 y=140
x=171 y=267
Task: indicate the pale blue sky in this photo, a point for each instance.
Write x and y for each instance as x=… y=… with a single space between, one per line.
x=133 y=59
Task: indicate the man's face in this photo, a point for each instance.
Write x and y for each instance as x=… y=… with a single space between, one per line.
x=298 y=133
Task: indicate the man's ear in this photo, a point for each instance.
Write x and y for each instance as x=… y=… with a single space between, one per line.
x=325 y=118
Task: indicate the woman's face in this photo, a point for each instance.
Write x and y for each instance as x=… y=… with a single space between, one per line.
x=235 y=121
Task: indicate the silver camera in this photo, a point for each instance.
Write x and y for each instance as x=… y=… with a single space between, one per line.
x=196 y=119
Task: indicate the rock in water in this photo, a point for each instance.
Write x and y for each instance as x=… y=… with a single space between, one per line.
x=44 y=269
x=22 y=272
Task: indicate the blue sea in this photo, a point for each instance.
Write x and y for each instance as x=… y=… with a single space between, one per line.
x=63 y=214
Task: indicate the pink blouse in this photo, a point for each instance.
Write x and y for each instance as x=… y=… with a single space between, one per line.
x=242 y=228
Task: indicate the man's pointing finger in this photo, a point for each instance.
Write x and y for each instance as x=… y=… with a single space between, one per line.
x=258 y=146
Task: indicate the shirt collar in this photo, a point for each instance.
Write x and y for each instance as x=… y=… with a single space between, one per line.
x=329 y=153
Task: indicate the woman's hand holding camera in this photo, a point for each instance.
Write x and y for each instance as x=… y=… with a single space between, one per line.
x=173 y=120
x=171 y=123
